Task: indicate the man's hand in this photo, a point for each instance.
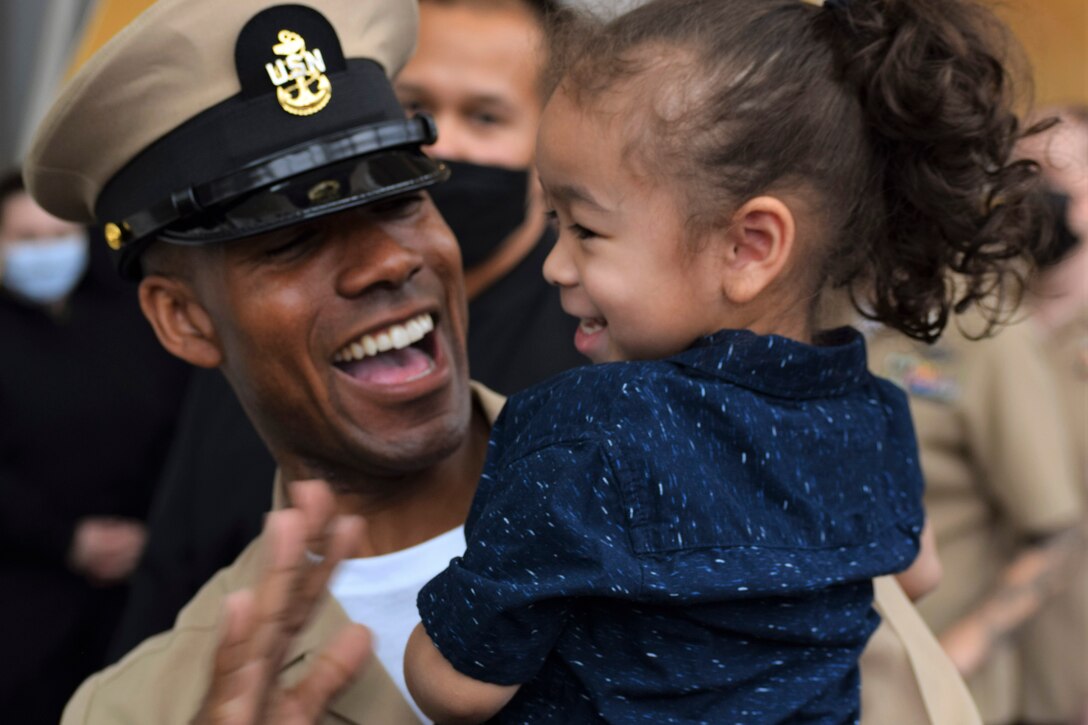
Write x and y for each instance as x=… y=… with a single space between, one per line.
x=303 y=546
x=106 y=550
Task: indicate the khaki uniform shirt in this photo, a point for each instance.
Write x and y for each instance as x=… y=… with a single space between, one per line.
x=998 y=467
x=906 y=678
x=1055 y=644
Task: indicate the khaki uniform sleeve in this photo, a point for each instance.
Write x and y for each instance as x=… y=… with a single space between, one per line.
x=905 y=675
x=1011 y=408
x=162 y=681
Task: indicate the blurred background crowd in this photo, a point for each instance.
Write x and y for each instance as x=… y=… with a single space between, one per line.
x=127 y=479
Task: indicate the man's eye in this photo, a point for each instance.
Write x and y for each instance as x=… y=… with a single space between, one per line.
x=398 y=207
x=413 y=107
x=295 y=244
x=484 y=118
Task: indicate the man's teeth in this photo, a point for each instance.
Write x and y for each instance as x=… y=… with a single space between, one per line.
x=394 y=337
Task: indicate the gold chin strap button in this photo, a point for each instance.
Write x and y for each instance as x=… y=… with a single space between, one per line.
x=115 y=235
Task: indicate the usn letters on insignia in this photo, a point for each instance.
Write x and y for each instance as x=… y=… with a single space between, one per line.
x=302 y=87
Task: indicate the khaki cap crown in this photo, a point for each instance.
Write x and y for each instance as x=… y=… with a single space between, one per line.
x=175 y=61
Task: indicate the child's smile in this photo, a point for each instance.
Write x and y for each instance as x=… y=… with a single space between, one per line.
x=589 y=335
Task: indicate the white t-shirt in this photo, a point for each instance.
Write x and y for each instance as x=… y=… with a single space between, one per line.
x=380 y=592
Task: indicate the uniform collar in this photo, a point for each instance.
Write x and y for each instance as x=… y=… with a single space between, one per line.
x=371 y=698
x=778 y=366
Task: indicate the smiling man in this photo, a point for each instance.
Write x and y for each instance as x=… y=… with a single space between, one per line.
x=254 y=170
x=477 y=70
x=262 y=182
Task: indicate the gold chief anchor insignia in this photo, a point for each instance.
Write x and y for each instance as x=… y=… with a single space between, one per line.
x=310 y=90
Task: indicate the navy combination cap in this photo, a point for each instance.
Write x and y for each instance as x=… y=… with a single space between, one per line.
x=206 y=121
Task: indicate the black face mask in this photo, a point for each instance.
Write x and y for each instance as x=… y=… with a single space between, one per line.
x=483 y=206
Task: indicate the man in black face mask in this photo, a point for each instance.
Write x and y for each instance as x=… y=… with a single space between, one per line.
x=477 y=70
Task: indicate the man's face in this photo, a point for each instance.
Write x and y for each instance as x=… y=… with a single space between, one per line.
x=476 y=71
x=299 y=315
x=1062 y=152
x=1066 y=168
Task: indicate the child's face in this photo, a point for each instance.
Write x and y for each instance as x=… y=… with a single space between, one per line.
x=624 y=261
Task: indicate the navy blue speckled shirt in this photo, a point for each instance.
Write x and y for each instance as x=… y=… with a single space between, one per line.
x=686 y=540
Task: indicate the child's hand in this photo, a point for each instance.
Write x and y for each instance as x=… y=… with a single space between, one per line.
x=443 y=693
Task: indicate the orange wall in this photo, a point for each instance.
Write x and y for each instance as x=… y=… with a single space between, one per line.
x=1055 y=35
x=103 y=22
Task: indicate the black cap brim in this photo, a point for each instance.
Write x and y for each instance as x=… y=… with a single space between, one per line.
x=327 y=190
x=324 y=191
x=319 y=178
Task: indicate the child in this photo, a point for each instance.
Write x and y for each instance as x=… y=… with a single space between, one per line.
x=688 y=532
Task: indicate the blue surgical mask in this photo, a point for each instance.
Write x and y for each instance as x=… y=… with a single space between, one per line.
x=43 y=271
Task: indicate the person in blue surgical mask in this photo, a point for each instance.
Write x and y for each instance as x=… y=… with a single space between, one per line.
x=88 y=401
x=42 y=258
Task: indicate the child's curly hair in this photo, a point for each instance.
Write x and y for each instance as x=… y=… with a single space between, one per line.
x=894 y=119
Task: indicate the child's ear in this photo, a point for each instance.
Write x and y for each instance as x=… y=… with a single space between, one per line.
x=181 y=323
x=759 y=242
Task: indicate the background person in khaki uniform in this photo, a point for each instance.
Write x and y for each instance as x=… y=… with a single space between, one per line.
x=1001 y=494
x=1054 y=646
x=397 y=434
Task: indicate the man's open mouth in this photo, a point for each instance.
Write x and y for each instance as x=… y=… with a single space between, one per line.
x=401 y=353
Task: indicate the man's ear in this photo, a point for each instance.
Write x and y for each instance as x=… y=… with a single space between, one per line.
x=181 y=323
x=759 y=243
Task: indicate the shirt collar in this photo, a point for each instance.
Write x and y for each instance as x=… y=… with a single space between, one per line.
x=779 y=366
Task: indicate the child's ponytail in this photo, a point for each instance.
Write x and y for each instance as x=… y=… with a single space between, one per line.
x=962 y=223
